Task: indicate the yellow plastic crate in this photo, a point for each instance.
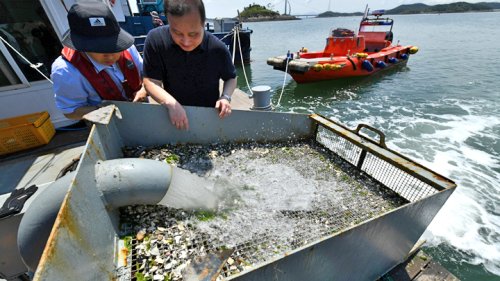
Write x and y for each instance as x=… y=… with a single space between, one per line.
x=26 y=131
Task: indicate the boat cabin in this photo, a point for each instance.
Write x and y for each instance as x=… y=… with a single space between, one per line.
x=377 y=31
x=374 y=34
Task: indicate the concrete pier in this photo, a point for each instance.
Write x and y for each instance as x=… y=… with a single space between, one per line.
x=241 y=100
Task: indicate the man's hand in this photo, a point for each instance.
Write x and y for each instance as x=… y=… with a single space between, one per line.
x=176 y=112
x=141 y=95
x=224 y=103
x=178 y=116
x=224 y=108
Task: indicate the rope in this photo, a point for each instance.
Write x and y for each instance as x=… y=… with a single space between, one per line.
x=242 y=62
x=228 y=34
x=235 y=34
x=34 y=66
x=284 y=81
x=64 y=5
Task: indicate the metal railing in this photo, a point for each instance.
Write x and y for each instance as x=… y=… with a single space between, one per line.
x=406 y=177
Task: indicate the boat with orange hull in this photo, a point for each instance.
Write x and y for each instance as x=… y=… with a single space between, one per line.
x=347 y=54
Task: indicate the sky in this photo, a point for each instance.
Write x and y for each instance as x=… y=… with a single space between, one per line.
x=228 y=8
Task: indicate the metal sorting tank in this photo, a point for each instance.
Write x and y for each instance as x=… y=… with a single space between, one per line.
x=84 y=239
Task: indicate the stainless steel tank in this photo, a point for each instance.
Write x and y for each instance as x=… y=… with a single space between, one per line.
x=83 y=244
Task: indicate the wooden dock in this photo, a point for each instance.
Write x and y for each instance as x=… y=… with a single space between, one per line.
x=241 y=101
x=419 y=267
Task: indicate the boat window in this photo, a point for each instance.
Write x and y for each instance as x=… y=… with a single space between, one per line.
x=7 y=75
x=376 y=27
x=27 y=32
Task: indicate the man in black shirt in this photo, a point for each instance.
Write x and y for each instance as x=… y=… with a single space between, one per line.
x=189 y=62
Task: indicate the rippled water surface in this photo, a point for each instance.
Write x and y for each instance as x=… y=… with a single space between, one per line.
x=442 y=109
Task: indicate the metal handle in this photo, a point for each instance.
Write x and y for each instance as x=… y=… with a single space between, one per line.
x=381 y=135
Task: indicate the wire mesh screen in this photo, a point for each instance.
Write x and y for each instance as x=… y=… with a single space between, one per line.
x=341 y=146
x=391 y=176
x=406 y=185
x=278 y=197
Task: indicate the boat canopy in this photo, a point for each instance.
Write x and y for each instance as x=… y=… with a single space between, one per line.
x=378 y=13
x=376 y=24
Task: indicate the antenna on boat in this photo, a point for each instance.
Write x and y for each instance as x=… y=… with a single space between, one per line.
x=365 y=17
x=366 y=12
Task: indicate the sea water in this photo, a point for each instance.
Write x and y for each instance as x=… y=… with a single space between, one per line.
x=442 y=109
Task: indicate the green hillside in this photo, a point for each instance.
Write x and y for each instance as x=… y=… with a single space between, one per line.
x=492 y=5
x=330 y=14
x=419 y=8
x=255 y=10
x=409 y=9
x=457 y=7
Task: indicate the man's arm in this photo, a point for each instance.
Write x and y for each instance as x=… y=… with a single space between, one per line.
x=141 y=95
x=229 y=87
x=176 y=112
x=223 y=105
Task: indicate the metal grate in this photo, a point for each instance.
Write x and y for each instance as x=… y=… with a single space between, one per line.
x=307 y=227
x=396 y=179
x=339 y=145
x=343 y=198
x=345 y=177
x=384 y=172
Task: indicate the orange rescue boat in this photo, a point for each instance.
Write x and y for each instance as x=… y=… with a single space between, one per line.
x=347 y=54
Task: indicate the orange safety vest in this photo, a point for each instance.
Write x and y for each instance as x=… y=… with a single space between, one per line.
x=102 y=82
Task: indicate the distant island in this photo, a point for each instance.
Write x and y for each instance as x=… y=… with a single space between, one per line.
x=330 y=14
x=457 y=7
x=419 y=8
x=255 y=12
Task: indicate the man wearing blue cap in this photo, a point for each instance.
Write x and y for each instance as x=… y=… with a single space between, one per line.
x=99 y=62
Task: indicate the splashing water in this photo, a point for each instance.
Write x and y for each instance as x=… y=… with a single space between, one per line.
x=189 y=191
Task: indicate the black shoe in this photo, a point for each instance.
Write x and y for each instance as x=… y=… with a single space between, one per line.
x=15 y=202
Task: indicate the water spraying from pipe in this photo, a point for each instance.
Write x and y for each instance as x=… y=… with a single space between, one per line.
x=189 y=191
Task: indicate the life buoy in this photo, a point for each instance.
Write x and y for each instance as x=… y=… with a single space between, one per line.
x=337 y=66
x=380 y=64
x=362 y=55
x=367 y=65
x=317 y=67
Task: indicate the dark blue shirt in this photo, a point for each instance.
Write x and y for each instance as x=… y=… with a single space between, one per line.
x=192 y=78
